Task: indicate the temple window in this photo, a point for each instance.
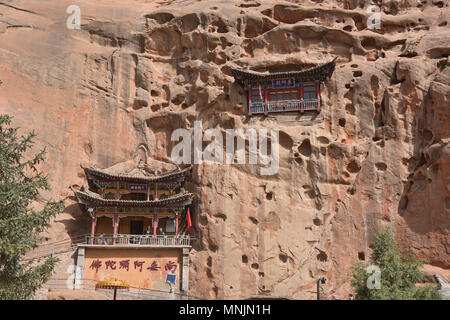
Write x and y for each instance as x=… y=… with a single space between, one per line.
x=138 y=196
x=110 y=195
x=256 y=97
x=309 y=92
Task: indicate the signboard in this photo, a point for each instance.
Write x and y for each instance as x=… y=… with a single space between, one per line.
x=137 y=187
x=283 y=83
x=171 y=278
x=146 y=268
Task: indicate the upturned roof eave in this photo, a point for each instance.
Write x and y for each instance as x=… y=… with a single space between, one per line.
x=93 y=200
x=239 y=74
x=92 y=173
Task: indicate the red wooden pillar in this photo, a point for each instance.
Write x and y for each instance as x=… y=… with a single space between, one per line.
x=266 y=109
x=116 y=215
x=318 y=96
x=176 y=229
x=94 y=222
x=301 y=98
x=249 y=101
x=116 y=227
x=154 y=227
x=266 y=98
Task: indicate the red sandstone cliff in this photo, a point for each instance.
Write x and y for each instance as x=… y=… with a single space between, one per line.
x=377 y=155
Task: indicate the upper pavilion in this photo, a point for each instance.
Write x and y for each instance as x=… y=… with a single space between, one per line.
x=273 y=92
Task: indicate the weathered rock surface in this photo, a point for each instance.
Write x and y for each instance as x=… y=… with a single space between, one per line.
x=377 y=155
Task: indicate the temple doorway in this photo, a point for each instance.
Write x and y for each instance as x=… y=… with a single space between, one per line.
x=136 y=227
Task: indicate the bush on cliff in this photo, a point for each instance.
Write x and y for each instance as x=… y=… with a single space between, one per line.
x=398 y=274
x=20 y=225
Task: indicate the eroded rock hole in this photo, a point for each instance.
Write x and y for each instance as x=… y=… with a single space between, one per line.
x=381 y=166
x=323 y=140
x=350 y=108
x=305 y=148
x=253 y=219
x=353 y=166
x=335 y=151
x=221 y=216
x=348 y=28
x=361 y=256
x=322 y=257
x=244 y=259
x=447 y=203
x=403 y=203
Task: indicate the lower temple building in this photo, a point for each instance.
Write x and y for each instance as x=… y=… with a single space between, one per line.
x=139 y=229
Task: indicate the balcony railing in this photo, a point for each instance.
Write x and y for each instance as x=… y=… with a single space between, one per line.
x=284 y=106
x=131 y=239
x=312 y=104
x=257 y=107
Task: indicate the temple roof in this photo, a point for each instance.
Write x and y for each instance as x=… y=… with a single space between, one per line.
x=94 y=200
x=319 y=72
x=137 y=175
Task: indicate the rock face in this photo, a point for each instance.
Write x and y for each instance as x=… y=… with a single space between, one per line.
x=376 y=156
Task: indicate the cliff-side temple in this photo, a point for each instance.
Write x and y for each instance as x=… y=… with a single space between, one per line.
x=287 y=91
x=139 y=231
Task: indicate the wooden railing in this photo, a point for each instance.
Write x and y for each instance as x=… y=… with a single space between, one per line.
x=284 y=106
x=53 y=248
x=257 y=107
x=312 y=104
x=131 y=239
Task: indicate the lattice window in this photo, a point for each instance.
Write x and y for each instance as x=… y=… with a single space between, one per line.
x=282 y=95
x=309 y=92
x=256 y=97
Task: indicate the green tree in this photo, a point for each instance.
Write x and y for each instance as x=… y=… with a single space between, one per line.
x=20 y=224
x=398 y=274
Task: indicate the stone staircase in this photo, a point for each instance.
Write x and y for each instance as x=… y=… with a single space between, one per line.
x=54 y=248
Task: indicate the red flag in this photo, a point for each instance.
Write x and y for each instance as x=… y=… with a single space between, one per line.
x=260 y=94
x=188 y=218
